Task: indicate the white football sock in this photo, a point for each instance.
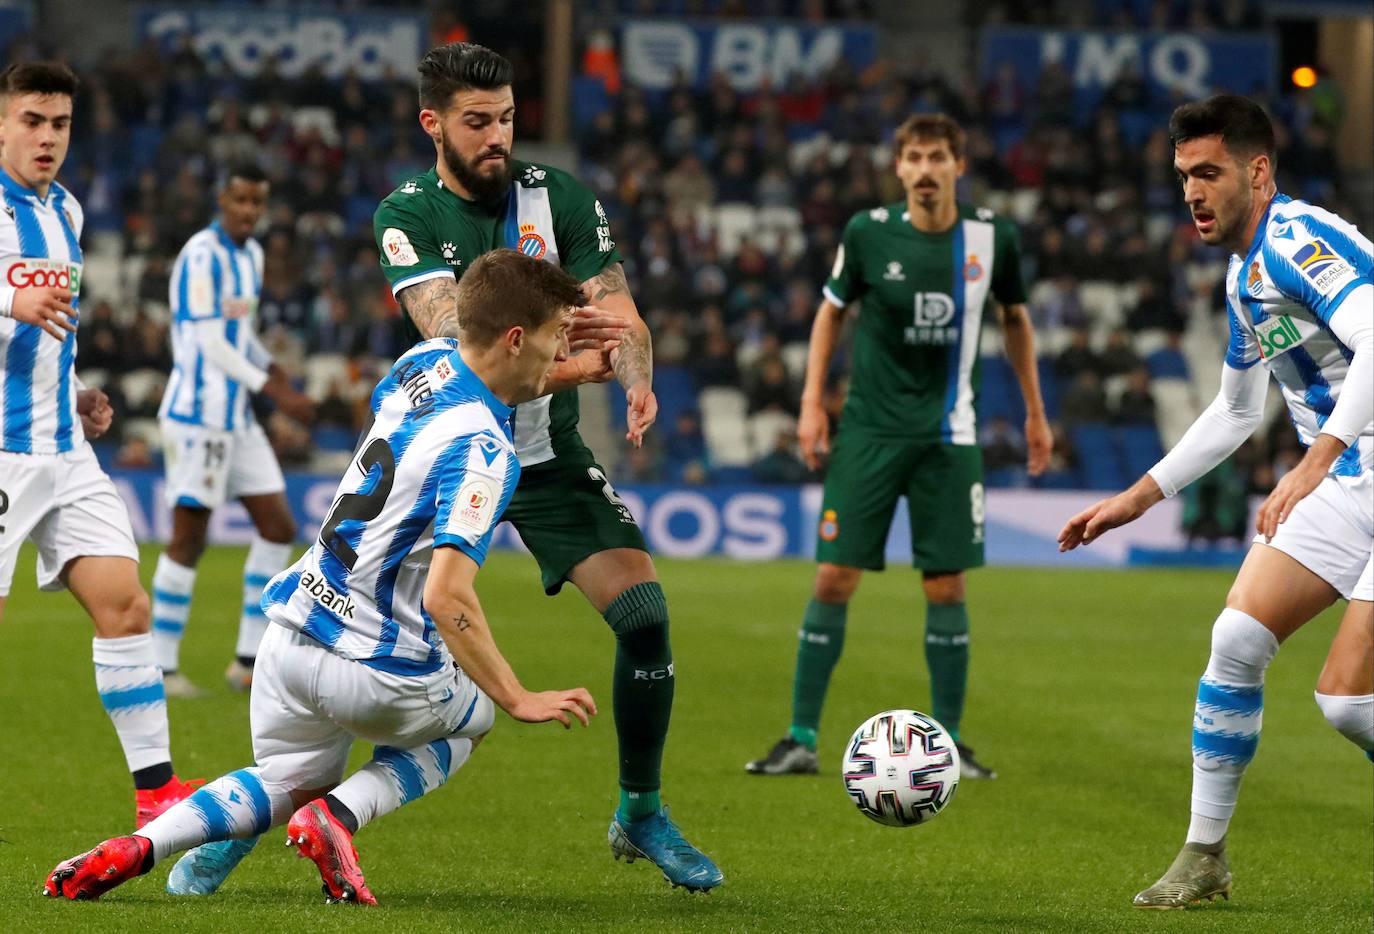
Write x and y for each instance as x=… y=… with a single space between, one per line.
x=1227 y=720
x=237 y=805
x=398 y=776
x=172 y=586
x=130 y=686
x=265 y=560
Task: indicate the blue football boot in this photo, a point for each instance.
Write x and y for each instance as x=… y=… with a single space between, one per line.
x=203 y=869
x=658 y=840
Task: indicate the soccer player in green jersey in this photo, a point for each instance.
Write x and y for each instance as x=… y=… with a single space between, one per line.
x=475 y=199
x=924 y=270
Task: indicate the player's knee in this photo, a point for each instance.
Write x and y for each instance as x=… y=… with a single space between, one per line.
x=128 y=614
x=639 y=613
x=1242 y=648
x=943 y=588
x=1352 y=716
x=186 y=549
x=280 y=530
x=836 y=583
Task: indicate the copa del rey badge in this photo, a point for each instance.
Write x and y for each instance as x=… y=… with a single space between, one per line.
x=476 y=505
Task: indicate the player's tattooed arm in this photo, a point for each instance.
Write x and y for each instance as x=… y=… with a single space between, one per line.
x=633 y=360
x=433 y=306
x=462 y=622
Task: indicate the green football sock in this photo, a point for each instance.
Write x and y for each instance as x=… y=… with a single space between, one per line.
x=641 y=694
x=947 y=659
x=818 y=649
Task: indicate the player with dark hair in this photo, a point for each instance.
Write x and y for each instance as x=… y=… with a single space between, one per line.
x=52 y=489
x=214 y=448
x=429 y=230
x=377 y=632
x=1300 y=299
x=924 y=269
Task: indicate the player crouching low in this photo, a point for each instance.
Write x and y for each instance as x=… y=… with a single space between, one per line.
x=378 y=633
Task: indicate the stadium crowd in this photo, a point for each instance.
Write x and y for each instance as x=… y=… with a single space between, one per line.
x=727 y=209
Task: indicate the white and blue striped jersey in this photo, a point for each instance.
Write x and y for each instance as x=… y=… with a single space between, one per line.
x=213 y=279
x=437 y=468
x=39 y=246
x=1302 y=266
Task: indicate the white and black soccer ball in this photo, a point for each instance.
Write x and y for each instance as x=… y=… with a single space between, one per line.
x=901 y=768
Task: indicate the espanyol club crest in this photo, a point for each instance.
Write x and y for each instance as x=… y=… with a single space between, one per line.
x=530 y=243
x=973 y=270
x=830 y=526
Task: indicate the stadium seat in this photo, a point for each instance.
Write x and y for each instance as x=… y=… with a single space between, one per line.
x=145 y=429
x=1000 y=396
x=1176 y=408
x=321 y=370
x=1140 y=448
x=794 y=358
x=334 y=438
x=722 y=422
x=1099 y=463
x=138 y=384
x=764 y=428
x=733 y=224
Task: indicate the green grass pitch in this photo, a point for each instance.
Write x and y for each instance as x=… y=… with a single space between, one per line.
x=1081 y=695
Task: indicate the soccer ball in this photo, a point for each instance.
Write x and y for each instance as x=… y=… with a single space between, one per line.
x=901 y=768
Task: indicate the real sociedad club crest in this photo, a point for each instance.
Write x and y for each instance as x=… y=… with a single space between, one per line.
x=530 y=243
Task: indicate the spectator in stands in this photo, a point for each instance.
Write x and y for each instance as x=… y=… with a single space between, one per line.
x=1078 y=357
x=1119 y=357
x=1168 y=362
x=1136 y=406
x=688 y=189
x=685 y=443
x=1154 y=309
x=781 y=464
x=1003 y=446
x=770 y=389
x=1084 y=402
x=716 y=366
x=99 y=347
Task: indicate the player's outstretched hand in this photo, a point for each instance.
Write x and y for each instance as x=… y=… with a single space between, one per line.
x=49 y=308
x=96 y=415
x=1039 y=445
x=542 y=706
x=641 y=412
x=813 y=431
x=592 y=329
x=1102 y=516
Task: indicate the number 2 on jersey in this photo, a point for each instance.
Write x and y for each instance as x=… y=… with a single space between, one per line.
x=361 y=506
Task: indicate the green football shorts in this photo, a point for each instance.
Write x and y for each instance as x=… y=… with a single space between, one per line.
x=565 y=513
x=943 y=484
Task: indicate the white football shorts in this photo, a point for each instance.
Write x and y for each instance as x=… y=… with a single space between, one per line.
x=308 y=705
x=1331 y=533
x=206 y=466
x=69 y=508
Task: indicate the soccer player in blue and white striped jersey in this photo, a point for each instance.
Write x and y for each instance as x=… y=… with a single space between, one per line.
x=1300 y=298
x=378 y=633
x=52 y=490
x=214 y=447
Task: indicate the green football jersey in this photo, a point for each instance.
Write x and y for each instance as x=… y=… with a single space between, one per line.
x=425 y=230
x=915 y=370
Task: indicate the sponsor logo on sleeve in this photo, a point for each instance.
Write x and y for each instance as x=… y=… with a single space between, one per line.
x=475 y=508
x=1319 y=263
x=397 y=249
